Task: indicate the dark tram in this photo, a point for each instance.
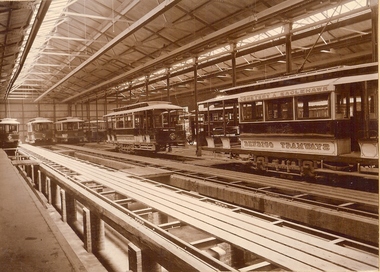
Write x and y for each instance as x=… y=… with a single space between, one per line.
x=69 y=130
x=154 y=126
x=9 y=133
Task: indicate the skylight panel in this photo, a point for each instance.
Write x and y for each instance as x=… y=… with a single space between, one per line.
x=52 y=18
x=342 y=9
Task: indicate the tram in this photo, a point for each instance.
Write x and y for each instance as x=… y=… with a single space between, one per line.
x=9 y=133
x=40 y=130
x=153 y=125
x=69 y=130
x=309 y=129
x=95 y=130
x=218 y=120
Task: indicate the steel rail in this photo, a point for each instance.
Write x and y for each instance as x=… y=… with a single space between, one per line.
x=292 y=194
x=246 y=232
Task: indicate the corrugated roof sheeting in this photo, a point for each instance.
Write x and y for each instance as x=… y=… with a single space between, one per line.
x=106 y=47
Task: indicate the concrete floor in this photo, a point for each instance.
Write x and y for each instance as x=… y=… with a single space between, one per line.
x=29 y=238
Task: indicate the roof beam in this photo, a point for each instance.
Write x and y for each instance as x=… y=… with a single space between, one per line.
x=246 y=23
x=45 y=4
x=150 y=16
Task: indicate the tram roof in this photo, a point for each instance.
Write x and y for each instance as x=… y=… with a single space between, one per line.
x=329 y=83
x=69 y=120
x=40 y=120
x=160 y=106
x=9 y=121
x=303 y=89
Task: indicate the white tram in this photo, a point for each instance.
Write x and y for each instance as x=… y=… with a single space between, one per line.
x=40 y=130
x=308 y=129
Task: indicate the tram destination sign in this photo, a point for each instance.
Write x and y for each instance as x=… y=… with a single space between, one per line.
x=272 y=94
x=305 y=146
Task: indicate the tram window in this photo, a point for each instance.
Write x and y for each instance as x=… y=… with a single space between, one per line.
x=279 y=109
x=119 y=122
x=70 y=126
x=128 y=121
x=138 y=122
x=252 y=111
x=313 y=106
x=8 y=128
x=342 y=104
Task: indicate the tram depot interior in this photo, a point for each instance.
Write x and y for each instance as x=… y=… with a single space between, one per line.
x=85 y=58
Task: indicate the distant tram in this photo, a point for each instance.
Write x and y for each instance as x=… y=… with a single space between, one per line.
x=152 y=125
x=40 y=130
x=9 y=133
x=69 y=130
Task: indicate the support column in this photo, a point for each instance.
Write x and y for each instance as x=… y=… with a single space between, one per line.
x=32 y=173
x=63 y=206
x=97 y=123
x=147 y=87
x=53 y=188
x=141 y=261
x=39 y=181
x=198 y=146
x=87 y=230
x=68 y=208
x=288 y=47
x=58 y=201
x=168 y=84
x=97 y=233
x=375 y=21
x=48 y=190
x=233 y=60
x=134 y=258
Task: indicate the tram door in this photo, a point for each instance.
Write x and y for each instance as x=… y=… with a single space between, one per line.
x=363 y=112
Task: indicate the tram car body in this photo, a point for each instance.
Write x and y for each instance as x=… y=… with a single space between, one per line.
x=152 y=125
x=311 y=129
x=69 y=130
x=325 y=118
x=95 y=130
x=40 y=131
x=9 y=133
x=218 y=121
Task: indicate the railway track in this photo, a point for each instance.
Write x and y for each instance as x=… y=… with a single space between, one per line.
x=278 y=243
x=357 y=203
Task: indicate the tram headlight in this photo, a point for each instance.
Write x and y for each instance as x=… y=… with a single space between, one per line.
x=172 y=136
